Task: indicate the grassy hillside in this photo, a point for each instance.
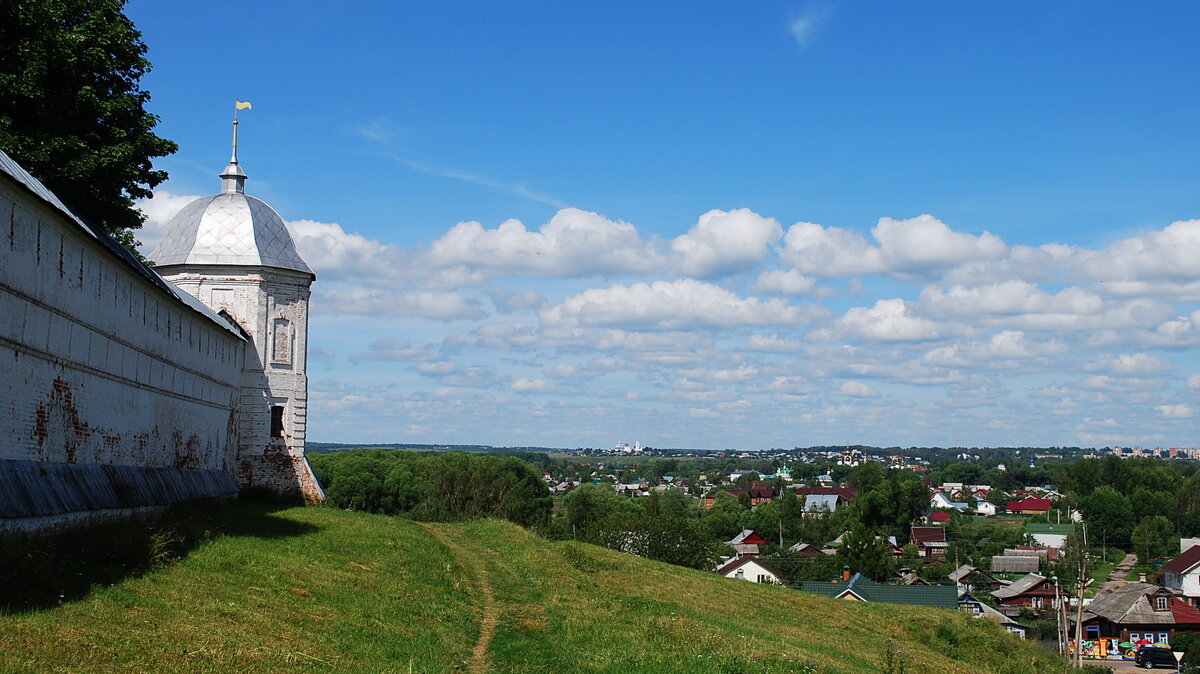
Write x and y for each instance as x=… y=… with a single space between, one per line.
x=319 y=589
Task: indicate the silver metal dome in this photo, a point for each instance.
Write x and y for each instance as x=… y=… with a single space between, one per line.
x=229 y=228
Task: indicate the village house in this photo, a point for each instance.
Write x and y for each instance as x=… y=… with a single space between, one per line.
x=1033 y=591
x=1050 y=535
x=749 y=567
x=978 y=609
x=1138 y=611
x=802 y=548
x=1182 y=575
x=930 y=541
x=747 y=542
x=971 y=580
x=1029 y=506
x=758 y=495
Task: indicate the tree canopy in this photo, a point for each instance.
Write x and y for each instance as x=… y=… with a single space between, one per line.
x=72 y=110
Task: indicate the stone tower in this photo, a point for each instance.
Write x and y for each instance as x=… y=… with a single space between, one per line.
x=233 y=253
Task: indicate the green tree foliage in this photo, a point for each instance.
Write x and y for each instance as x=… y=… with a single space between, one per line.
x=894 y=504
x=1109 y=516
x=724 y=519
x=675 y=540
x=445 y=486
x=1187 y=508
x=589 y=504
x=864 y=552
x=72 y=110
x=1152 y=538
x=867 y=476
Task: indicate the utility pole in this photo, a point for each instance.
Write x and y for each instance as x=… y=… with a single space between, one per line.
x=1079 y=606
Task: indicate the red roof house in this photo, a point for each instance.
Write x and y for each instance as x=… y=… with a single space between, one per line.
x=1030 y=506
x=940 y=517
x=1182 y=575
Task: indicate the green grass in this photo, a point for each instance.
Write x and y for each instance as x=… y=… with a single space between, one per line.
x=319 y=589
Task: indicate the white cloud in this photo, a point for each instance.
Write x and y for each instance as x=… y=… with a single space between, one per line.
x=725 y=242
x=673 y=305
x=334 y=253
x=391 y=348
x=1193 y=382
x=804 y=28
x=1102 y=382
x=574 y=243
x=857 y=389
x=788 y=282
x=922 y=246
x=377 y=302
x=829 y=252
x=772 y=343
x=925 y=244
x=1005 y=345
x=888 y=320
x=526 y=385
x=1126 y=364
x=507 y=301
x=1176 y=411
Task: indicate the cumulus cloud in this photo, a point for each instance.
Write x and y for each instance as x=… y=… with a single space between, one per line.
x=1005 y=345
x=1176 y=411
x=888 y=321
x=526 y=385
x=573 y=243
x=857 y=389
x=1193 y=382
x=669 y=305
x=334 y=253
x=1129 y=364
x=1008 y=298
x=829 y=252
x=919 y=247
x=725 y=242
x=773 y=343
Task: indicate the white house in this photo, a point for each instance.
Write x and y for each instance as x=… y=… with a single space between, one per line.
x=750 y=568
x=1182 y=575
x=985 y=508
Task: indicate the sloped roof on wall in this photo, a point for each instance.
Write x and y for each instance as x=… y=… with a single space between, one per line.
x=12 y=169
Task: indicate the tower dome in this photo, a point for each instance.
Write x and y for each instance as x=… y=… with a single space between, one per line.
x=229 y=228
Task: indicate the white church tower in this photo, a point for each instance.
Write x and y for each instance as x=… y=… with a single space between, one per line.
x=233 y=253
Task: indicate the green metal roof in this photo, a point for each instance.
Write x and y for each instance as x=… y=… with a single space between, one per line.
x=1063 y=528
x=938 y=596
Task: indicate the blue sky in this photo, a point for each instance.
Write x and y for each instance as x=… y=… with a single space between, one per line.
x=709 y=225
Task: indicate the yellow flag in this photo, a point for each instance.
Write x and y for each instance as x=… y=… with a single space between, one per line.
x=242 y=105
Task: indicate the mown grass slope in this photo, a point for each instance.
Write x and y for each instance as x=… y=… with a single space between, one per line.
x=319 y=589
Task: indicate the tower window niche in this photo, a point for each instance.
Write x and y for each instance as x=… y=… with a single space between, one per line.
x=277 y=421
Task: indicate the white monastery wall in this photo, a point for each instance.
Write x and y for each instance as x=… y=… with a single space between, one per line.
x=102 y=366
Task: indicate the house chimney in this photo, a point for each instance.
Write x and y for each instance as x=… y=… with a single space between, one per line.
x=1141 y=577
x=845 y=573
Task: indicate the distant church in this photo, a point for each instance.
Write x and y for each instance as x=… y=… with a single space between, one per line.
x=125 y=387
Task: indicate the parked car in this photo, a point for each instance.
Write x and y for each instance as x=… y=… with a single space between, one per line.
x=1152 y=656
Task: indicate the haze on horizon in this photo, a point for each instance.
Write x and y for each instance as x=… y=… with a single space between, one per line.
x=792 y=224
